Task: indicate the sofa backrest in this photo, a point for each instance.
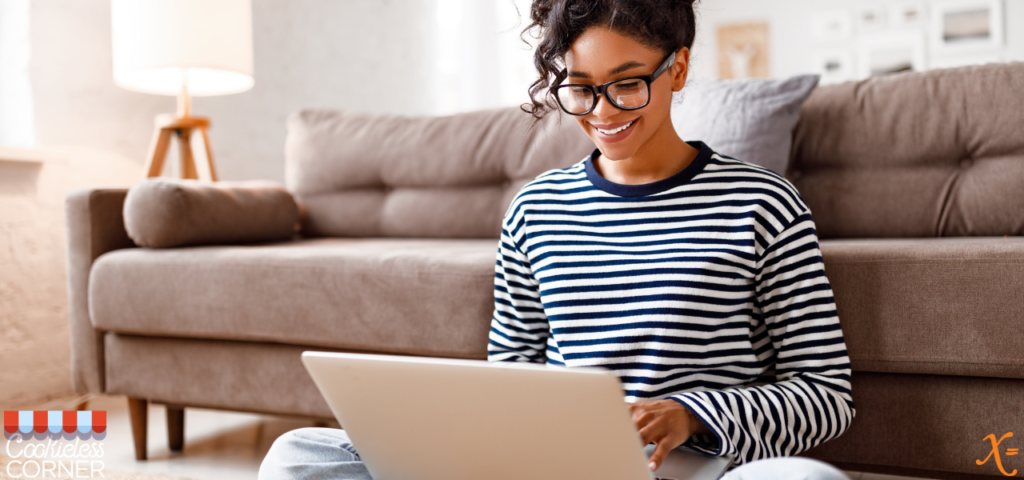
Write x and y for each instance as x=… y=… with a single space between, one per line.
x=932 y=154
x=361 y=175
x=939 y=153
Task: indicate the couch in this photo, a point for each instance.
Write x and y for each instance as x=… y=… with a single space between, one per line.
x=915 y=182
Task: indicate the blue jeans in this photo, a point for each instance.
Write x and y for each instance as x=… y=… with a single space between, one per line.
x=327 y=453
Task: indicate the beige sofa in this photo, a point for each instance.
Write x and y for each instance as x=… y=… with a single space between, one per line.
x=915 y=182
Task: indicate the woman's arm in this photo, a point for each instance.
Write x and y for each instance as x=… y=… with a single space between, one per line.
x=811 y=401
x=519 y=327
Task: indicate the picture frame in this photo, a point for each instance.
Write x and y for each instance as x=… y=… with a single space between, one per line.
x=966 y=26
x=890 y=52
x=831 y=26
x=834 y=66
x=743 y=50
x=907 y=15
x=871 y=18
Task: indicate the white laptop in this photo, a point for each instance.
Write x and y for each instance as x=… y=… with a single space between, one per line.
x=418 y=418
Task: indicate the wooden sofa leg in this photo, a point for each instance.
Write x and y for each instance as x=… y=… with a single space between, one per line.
x=175 y=428
x=138 y=410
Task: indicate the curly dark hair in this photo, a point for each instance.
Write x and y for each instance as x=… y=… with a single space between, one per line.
x=667 y=25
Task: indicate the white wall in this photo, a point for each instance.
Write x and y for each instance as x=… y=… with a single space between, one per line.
x=792 y=50
x=34 y=348
x=15 y=90
x=481 y=61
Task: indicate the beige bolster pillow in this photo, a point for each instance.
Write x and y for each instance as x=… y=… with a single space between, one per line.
x=168 y=212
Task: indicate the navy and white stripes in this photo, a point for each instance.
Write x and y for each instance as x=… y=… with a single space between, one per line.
x=707 y=287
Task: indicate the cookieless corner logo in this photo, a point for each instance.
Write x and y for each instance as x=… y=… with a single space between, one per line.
x=55 y=444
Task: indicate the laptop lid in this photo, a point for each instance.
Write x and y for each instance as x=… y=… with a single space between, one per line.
x=420 y=418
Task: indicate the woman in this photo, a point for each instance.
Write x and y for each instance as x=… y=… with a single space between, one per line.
x=695 y=277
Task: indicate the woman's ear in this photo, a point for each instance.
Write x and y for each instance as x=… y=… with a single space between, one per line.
x=680 y=69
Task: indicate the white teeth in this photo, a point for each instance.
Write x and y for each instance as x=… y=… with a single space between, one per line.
x=617 y=130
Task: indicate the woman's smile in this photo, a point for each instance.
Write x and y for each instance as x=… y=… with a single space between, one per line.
x=614 y=132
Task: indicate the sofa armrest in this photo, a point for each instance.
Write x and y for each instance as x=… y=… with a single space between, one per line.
x=95 y=225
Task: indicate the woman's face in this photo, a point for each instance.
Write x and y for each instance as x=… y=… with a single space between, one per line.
x=601 y=55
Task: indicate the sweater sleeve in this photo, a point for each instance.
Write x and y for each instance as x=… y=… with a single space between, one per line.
x=810 y=401
x=519 y=327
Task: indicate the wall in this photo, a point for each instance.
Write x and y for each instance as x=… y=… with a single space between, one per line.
x=792 y=51
x=34 y=349
x=15 y=90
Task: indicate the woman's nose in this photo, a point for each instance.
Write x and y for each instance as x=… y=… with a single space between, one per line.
x=604 y=108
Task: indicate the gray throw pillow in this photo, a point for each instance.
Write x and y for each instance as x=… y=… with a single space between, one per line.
x=750 y=120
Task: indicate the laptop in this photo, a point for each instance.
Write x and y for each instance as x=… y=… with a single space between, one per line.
x=419 y=418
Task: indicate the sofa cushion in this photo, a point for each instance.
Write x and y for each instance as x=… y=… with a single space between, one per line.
x=169 y=212
x=943 y=306
x=927 y=426
x=929 y=154
x=750 y=119
x=422 y=297
x=371 y=175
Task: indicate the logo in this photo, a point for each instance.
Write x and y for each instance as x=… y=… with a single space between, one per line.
x=994 y=454
x=55 y=444
x=67 y=425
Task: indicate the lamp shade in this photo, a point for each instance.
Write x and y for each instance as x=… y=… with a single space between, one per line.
x=159 y=45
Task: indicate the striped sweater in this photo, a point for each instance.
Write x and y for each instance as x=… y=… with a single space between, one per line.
x=707 y=287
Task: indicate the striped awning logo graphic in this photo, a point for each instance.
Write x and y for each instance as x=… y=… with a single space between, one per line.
x=56 y=424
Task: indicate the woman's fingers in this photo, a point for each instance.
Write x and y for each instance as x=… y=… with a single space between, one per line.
x=651 y=433
x=660 y=452
x=642 y=419
x=663 y=422
x=664 y=445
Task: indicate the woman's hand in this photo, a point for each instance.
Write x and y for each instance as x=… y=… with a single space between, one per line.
x=667 y=423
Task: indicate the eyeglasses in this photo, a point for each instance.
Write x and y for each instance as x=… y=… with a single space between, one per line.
x=630 y=93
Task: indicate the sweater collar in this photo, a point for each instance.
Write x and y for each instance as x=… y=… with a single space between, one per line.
x=679 y=178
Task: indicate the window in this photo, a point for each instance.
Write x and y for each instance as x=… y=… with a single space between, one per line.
x=15 y=89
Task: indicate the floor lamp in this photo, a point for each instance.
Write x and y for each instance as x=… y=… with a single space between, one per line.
x=185 y=48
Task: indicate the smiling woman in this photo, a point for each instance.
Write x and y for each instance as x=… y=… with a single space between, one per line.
x=695 y=277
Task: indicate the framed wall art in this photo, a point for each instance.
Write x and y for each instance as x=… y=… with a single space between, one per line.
x=965 y=26
x=890 y=52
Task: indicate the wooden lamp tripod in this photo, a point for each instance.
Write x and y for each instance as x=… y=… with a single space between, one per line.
x=182 y=125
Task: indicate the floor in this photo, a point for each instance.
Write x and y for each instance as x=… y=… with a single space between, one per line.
x=218 y=445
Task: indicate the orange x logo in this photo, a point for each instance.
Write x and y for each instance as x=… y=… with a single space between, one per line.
x=995 y=451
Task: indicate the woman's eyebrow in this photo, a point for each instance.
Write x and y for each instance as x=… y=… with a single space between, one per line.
x=618 y=69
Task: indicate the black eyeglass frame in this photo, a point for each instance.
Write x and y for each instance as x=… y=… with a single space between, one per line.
x=596 y=90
